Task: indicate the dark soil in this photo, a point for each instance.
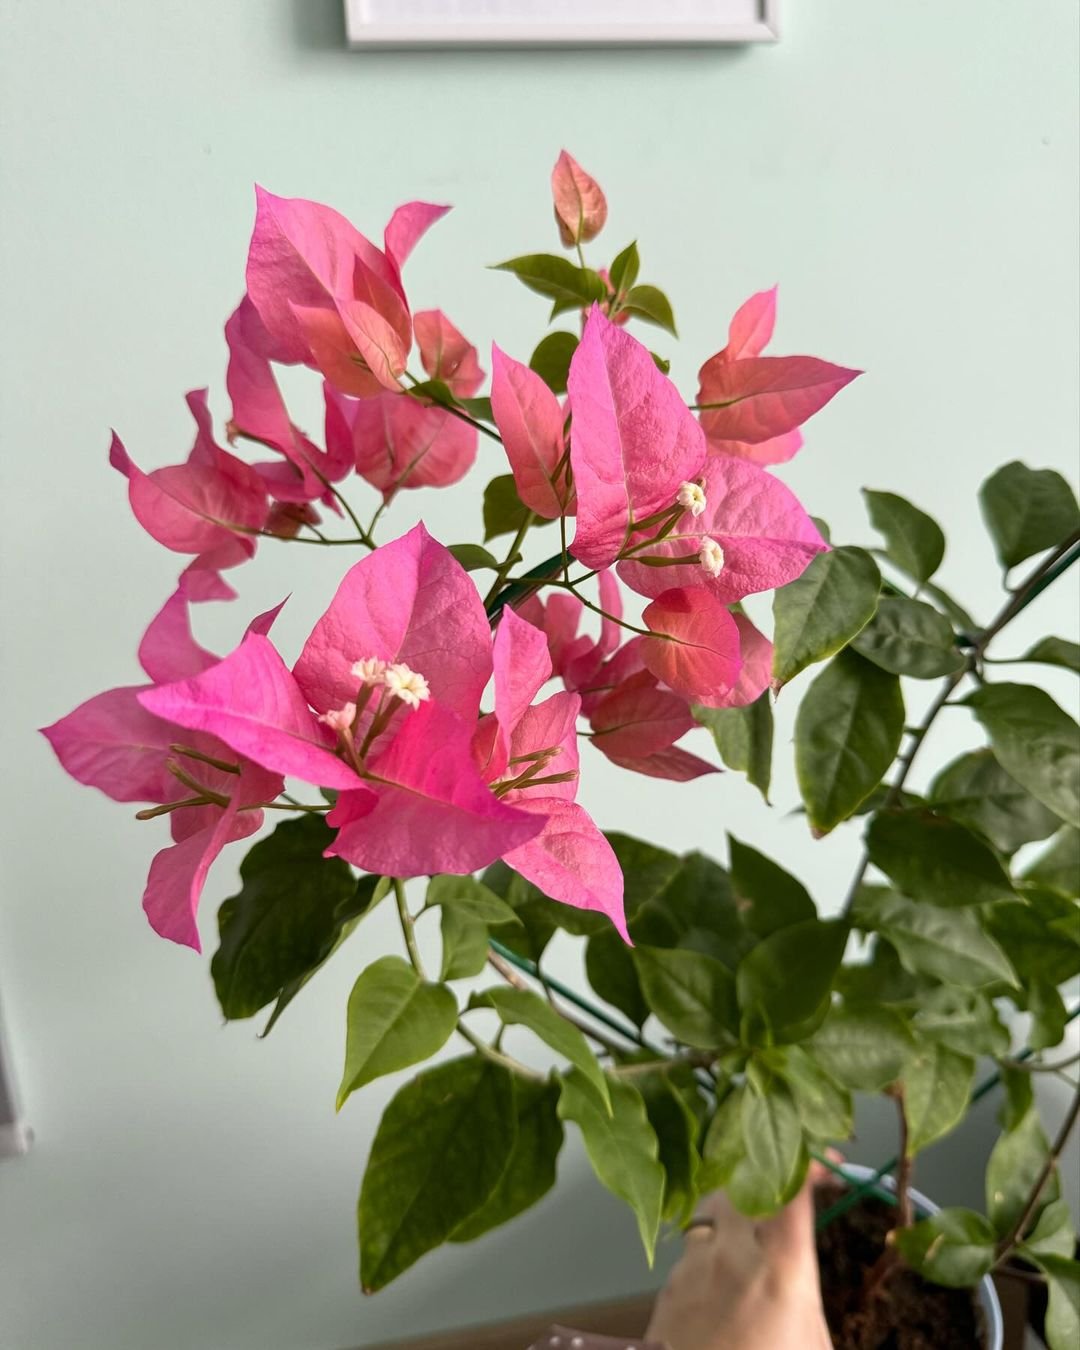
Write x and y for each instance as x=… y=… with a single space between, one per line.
x=906 y=1313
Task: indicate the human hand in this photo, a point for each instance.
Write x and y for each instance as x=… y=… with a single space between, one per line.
x=744 y=1284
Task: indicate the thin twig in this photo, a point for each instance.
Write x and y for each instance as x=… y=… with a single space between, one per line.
x=1019 y=1228
x=497 y=1057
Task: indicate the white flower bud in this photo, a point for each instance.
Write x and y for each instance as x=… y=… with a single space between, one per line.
x=691 y=497
x=711 y=556
x=369 y=671
x=339 y=719
x=407 y=685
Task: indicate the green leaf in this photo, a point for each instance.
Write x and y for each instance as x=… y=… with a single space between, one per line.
x=479 y=408
x=864 y=1049
x=696 y=910
x=1016 y=1163
x=691 y=993
x=569 y=286
x=913 y=540
x=1035 y=948
x=909 y=638
x=1027 y=511
x=847 y=733
x=662 y=364
x=965 y=1020
x=471 y=897
x=824 y=1107
x=946 y=944
x=1062 y=1323
x=772 y=1137
x=464 y=944
x=784 y=982
x=676 y=1129
x=439 y=1153
x=1055 y=651
x=552 y=357
x=744 y=738
x=624 y=270
x=977 y=791
x=1035 y=741
x=622 y=1148
x=369 y=892
x=433 y=391
x=612 y=974
x=647 y=869
x=723 y=1148
x=1059 y=866
x=881 y=978
x=395 y=1019
x=285 y=919
x=1018 y=1096
x=1053 y=1234
x=1049 y=1017
x=751 y=1191
x=954 y=1247
x=652 y=305
x=531 y=1171
x=820 y=612
x=538 y=918
x=937 y=860
x=504 y=511
x=952 y=609
x=521 y=1007
x=473 y=557
x=937 y=1089
x=769 y=897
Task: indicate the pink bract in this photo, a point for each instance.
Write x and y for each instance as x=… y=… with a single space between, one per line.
x=569 y=859
x=766 y=537
x=397 y=442
x=112 y=742
x=408 y=601
x=580 y=205
x=695 y=650
x=634 y=440
x=530 y=422
x=433 y=812
x=759 y=398
x=446 y=354
x=751 y=328
x=191 y=507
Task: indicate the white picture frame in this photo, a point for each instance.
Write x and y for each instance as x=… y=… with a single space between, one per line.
x=580 y=23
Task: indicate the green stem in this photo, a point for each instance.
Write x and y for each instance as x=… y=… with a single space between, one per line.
x=451 y=408
x=497 y=1057
x=511 y=557
x=408 y=930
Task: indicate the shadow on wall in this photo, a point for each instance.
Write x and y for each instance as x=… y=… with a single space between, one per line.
x=319 y=25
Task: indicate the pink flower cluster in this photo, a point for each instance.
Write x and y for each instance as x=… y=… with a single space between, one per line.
x=384 y=707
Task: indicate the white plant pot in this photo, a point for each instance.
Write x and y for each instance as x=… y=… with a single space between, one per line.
x=985 y=1294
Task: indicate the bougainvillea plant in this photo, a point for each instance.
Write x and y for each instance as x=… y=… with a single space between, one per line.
x=436 y=722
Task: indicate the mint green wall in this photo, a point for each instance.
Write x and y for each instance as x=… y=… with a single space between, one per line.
x=907 y=172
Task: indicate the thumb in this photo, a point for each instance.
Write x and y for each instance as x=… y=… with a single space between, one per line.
x=788 y=1237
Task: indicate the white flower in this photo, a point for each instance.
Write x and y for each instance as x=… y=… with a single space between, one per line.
x=405 y=684
x=370 y=670
x=339 y=719
x=691 y=497
x=711 y=556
